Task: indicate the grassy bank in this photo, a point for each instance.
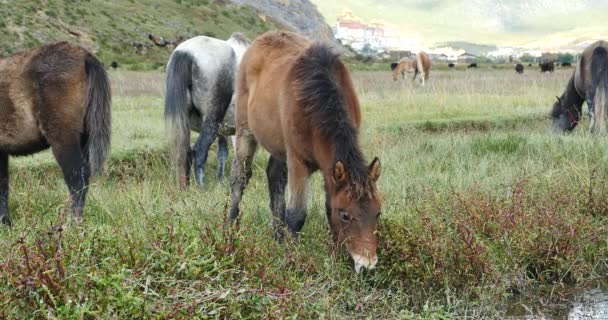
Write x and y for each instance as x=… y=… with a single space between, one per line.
x=481 y=203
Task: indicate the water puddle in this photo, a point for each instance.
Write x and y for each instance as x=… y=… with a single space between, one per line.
x=589 y=304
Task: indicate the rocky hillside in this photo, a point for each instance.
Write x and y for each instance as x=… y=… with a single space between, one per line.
x=119 y=30
x=300 y=15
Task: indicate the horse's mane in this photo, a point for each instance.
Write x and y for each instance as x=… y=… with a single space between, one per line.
x=240 y=38
x=321 y=94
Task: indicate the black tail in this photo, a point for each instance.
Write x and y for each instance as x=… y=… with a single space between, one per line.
x=599 y=80
x=98 y=118
x=178 y=101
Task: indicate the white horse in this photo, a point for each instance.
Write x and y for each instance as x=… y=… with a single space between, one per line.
x=200 y=96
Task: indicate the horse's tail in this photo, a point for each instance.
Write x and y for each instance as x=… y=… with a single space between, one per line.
x=177 y=108
x=599 y=80
x=98 y=117
x=420 y=67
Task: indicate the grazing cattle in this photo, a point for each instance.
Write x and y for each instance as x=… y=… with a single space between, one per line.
x=296 y=99
x=472 y=65
x=519 y=68
x=55 y=96
x=421 y=64
x=566 y=64
x=529 y=65
x=200 y=97
x=588 y=83
x=547 y=66
x=450 y=65
x=114 y=65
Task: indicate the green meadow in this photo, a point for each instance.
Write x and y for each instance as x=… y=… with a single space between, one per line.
x=482 y=206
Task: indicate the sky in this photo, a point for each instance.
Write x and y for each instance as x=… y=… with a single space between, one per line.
x=520 y=23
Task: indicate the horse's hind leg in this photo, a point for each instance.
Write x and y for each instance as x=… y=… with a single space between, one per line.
x=222 y=156
x=75 y=170
x=4 y=217
x=276 y=172
x=208 y=133
x=241 y=168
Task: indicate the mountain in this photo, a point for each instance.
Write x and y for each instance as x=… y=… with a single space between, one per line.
x=541 y=24
x=119 y=30
x=299 y=15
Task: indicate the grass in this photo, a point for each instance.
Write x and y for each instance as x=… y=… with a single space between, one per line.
x=481 y=204
x=118 y=30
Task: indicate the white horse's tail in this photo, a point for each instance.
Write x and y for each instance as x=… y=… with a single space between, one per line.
x=178 y=101
x=599 y=80
x=420 y=67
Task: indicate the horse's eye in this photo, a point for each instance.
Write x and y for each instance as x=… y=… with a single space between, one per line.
x=344 y=216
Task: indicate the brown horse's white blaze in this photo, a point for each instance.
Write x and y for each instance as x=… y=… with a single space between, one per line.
x=296 y=99
x=421 y=64
x=55 y=96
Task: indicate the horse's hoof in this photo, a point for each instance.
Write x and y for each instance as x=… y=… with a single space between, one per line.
x=6 y=221
x=279 y=235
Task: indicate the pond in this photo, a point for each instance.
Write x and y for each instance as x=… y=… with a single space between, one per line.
x=590 y=304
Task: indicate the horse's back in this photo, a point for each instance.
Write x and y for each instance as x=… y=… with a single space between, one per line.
x=262 y=84
x=208 y=53
x=35 y=84
x=582 y=74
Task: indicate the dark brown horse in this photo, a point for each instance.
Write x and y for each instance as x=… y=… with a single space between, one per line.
x=55 y=96
x=547 y=66
x=588 y=83
x=297 y=100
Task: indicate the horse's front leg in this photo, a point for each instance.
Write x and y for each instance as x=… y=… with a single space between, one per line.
x=276 y=172
x=222 y=156
x=298 y=182
x=4 y=217
x=206 y=137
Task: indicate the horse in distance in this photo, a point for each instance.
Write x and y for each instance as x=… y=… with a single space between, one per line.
x=419 y=65
x=589 y=83
x=547 y=67
x=200 y=97
x=55 y=96
x=296 y=99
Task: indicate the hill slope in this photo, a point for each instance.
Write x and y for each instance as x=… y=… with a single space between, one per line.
x=301 y=15
x=118 y=30
x=525 y=23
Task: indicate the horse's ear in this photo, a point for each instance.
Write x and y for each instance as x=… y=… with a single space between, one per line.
x=374 y=169
x=340 y=174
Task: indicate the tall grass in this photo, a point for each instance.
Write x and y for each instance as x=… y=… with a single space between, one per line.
x=481 y=203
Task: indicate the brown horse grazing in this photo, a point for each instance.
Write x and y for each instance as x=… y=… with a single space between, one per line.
x=297 y=100
x=421 y=64
x=588 y=83
x=55 y=96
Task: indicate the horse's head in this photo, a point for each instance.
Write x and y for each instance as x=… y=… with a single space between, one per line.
x=565 y=118
x=353 y=210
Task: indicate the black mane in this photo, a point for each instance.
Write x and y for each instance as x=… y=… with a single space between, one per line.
x=320 y=94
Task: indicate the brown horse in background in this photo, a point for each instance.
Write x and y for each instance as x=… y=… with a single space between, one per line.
x=421 y=64
x=588 y=83
x=297 y=100
x=55 y=96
